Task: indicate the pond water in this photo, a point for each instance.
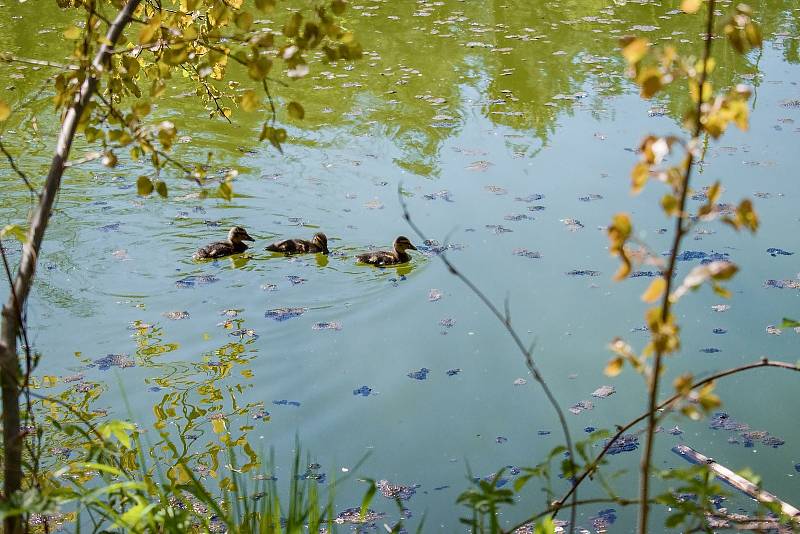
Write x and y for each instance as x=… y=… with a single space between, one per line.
x=511 y=129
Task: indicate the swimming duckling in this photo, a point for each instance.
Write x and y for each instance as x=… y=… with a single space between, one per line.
x=219 y=249
x=389 y=257
x=318 y=243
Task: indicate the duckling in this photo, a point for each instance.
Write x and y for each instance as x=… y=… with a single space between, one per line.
x=219 y=249
x=389 y=257
x=318 y=243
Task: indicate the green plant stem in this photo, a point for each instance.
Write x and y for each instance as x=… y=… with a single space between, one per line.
x=655 y=374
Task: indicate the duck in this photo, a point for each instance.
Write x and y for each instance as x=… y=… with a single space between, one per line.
x=318 y=243
x=220 y=249
x=389 y=257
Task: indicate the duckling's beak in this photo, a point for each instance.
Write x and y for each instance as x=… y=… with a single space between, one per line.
x=247 y=237
x=412 y=247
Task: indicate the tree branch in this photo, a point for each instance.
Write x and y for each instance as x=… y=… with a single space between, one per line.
x=680 y=232
x=10 y=329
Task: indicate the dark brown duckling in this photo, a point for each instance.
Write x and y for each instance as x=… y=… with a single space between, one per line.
x=220 y=249
x=389 y=257
x=318 y=243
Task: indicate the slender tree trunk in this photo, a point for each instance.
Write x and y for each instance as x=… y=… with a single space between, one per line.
x=10 y=372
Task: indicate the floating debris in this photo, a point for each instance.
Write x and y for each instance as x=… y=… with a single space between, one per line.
x=590 y=198
x=396 y=491
x=453 y=372
x=536 y=208
x=603 y=392
x=434 y=295
x=479 y=166
x=284 y=402
x=774 y=252
x=335 y=325
x=657 y=111
x=243 y=333
x=496 y=189
x=422 y=374
x=582 y=272
x=624 y=443
x=603 y=520
x=447 y=322
x=444 y=194
x=296 y=280
x=675 y=431
x=710 y=350
x=516 y=217
x=534 y=197
x=284 y=314
x=193 y=281
x=113 y=360
x=269 y=287
x=783 y=284
x=644 y=274
x=520 y=382
x=261 y=415
x=581 y=406
x=363 y=391
x=374 y=204
x=114 y=227
x=500 y=440
x=573 y=225
x=720 y=308
x=543 y=432
x=176 y=315
x=353 y=515
x=774 y=330
x=230 y=313
x=498 y=228
x=525 y=253
x=719 y=331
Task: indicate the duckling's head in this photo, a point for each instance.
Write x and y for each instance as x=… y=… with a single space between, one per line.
x=402 y=243
x=237 y=234
x=321 y=240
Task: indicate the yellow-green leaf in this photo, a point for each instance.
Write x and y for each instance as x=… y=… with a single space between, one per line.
x=144 y=186
x=691 y=6
x=73 y=33
x=654 y=290
x=614 y=366
x=5 y=111
x=250 y=101
x=225 y=191
x=635 y=49
x=295 y=110
x=161 y=189
x=150 y=30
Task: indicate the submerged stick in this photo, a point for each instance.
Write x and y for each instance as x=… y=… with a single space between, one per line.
x=737 y=481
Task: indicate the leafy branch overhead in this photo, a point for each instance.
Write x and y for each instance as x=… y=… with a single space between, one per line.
x=211 y=43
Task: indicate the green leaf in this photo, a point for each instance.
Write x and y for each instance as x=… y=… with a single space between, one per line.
x=14 y=231
x=144 y=186
x=790 y=323
x=72 y=33
x=338 y=6
x=225 y=191
x=547 y=526
x=368 y=495
x=295 y=110
x=161 y=189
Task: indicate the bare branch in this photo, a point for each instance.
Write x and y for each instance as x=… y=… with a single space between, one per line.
x=506 y=321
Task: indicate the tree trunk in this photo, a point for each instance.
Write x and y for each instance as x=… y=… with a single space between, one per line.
x=10 y=372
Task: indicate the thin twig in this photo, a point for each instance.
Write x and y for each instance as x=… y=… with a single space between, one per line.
x=655 y=372
x=16 y=169
x=505 y=320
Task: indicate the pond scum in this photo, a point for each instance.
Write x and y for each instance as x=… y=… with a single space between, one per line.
x=85 y=472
